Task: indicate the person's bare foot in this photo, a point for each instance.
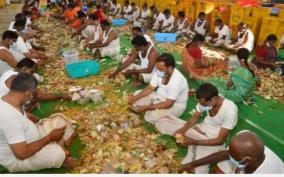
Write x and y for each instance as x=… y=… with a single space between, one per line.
x=70 y=162
x=136 y=84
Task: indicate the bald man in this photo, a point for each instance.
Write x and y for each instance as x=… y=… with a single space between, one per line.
x=246 y=154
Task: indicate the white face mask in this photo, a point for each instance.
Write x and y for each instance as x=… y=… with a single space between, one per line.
x=237 y=163
x=13 y=46
x=161 y=74
x=29 y=101
x=204 y=108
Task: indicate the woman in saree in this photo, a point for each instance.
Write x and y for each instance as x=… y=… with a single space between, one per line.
x=242 y=82
x=194 y=64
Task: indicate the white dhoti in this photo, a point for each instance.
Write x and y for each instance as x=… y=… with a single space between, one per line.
x=170 y=124
x=109 y=52
x=181 y=32
x=51 y=155
x=146 y=76
x=156 y=26
x=128 y=17
x=168 y=29
x=217 y=42
x=154 y=115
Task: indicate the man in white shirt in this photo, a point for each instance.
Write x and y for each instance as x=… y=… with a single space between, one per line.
x=138 y=31
x=246 y=154
x=221 y=36
x=147 y=55
x=115 y=8
x=168 y=22
x=208 y=136
x=7 y=60
x=22 y=146
x=145 y=14
x=25 y=50
x=135 y=12
x=158 y=18
x=18 y=16
x=127 y=11
x=171 y=95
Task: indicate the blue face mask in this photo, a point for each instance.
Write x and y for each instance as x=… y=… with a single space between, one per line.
x=13 y=46
x=161 y=74
x=237 y=163
x=30 y=40
x=204 y=108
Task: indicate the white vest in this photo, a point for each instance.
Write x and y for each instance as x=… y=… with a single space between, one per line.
x=200 y=29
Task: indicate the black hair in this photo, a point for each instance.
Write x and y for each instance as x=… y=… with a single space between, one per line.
x=71 y=5
x=219 y=20
x=26 y=62
x=24 y=82
x=271 y=37
x=19 y=16
x=201 y=14
x=168 y=59
x=137 y=28
x=9 y=35
x=198 y=38
x=98 y=6
x=105 y=23
x=27 y=13
x=181 y=14
x=206 y=91
x=139 y=41
x=167 y=11
x=241 y=24
x=133 y=4
x=145 y=4
x=152 y=7
x=20 y=23
x=126 y=2
x=93 y=17
x=81 y=14
x=243 y=54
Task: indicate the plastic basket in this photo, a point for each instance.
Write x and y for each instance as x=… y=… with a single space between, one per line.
x=165 y=37
x=119 y=22
x=70 y=56
x=83 y=69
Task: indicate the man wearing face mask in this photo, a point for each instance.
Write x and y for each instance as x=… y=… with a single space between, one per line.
x=171 y=95
x=23 y=47
x=7 y=60
x=22 y=146
x=245 y=154
x=147 y=55
x=27 y=66
x=208 y=136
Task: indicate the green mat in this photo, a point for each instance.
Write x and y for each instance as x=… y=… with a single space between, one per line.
x=265 y=119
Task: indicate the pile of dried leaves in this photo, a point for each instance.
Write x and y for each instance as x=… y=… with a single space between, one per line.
x=115 y=139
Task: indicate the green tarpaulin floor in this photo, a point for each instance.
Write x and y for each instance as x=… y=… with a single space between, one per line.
x=266 y=119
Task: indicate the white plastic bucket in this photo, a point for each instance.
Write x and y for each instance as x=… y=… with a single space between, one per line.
x=70 y=56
